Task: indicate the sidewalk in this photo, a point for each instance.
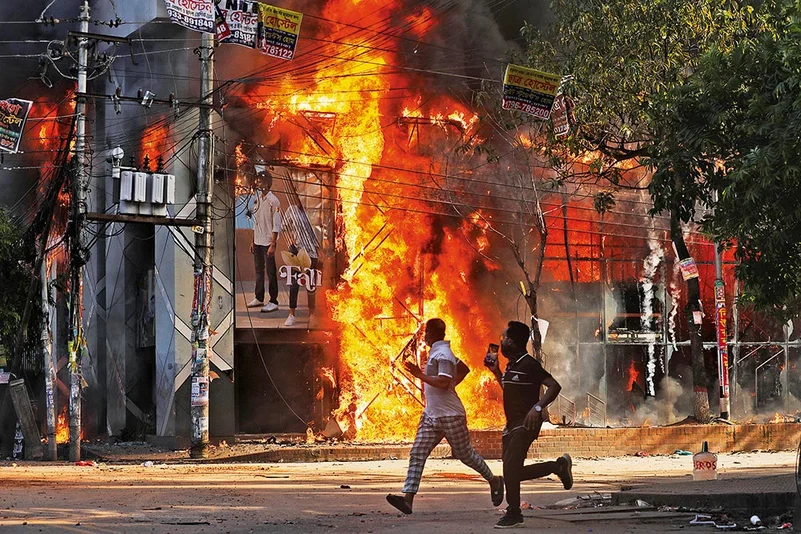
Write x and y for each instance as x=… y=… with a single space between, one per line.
x=762 y=495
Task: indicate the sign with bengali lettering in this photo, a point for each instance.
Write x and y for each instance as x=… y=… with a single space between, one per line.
x=241 y=17
x=271 y=30
x=13 y=114
x=562 y=115
x=723 y=346
x=197 y=15
x=689 y=269
x=277 y=32
x=530 y=91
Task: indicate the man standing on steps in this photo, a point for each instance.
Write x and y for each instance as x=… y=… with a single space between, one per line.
x=523 y=408
x=444 y=416
x=266 y=226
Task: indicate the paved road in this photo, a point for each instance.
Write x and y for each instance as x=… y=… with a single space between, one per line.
x=346 y=497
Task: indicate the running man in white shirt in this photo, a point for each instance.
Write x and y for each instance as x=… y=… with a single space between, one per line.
x=444 y=416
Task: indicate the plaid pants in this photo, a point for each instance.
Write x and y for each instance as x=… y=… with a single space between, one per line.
x=430 y=432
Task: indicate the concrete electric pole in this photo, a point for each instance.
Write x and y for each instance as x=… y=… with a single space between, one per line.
x=203 y=257
x=75 y=338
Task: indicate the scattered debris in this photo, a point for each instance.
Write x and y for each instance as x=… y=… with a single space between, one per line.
x=590 y=500
x=681 y=452
x=147 y=464
x=344 y=486
x=721 y=522
x=85 y=463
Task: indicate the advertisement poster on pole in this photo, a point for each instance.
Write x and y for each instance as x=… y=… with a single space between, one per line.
x=723 y=348
x=530 y=91
x=277 y=31
x=689 y=269
x=13 y=115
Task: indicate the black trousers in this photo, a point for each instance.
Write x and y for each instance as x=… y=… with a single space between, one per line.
x=515 y=448
x=261 y=260
x=294 y=289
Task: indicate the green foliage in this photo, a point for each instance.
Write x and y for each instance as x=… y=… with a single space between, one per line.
x=15 y=277
x=707 y=94
x=732 y=132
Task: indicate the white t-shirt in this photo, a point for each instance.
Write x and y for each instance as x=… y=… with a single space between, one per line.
x=266 y=218
x=442 y=402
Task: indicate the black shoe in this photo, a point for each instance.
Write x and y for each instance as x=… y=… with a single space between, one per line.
x=566 y=473
x=497 y=493
x=510 y=521
x=400 y=503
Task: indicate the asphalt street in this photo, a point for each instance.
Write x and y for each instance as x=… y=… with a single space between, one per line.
x=345 y=496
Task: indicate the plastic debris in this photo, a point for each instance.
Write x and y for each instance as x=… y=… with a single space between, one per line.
x=755 y=520
x=85 y=463
x=681 y=452
x=147 y=464
x=785 y=526
x=344 y=486
x=702 y=519
x=525 y=505
x=642 y=504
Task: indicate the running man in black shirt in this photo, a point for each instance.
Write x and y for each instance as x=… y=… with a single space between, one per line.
x=523 y=408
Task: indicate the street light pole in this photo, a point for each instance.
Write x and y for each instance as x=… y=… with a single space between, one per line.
x=204 y=241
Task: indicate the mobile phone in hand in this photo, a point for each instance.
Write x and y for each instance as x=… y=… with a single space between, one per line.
x=492 y=355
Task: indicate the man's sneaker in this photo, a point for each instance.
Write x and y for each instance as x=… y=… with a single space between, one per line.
x=290 y=320
x=565 y=470
x=510 y=521
x=270 y=307
x=255 y=303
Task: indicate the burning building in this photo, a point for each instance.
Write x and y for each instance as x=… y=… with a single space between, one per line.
x=422 y=204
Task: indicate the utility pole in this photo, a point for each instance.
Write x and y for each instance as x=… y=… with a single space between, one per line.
x=50 y=367
x=204 y=241
x=75 y=337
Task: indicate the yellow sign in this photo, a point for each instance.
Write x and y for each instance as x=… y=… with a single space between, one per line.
x=277 y=31
x=529 y=90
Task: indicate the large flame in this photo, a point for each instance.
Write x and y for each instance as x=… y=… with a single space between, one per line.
x=406 y=262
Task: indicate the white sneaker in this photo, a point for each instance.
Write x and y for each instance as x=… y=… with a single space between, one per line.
x=255 y=303
x=290 y=320
x=270 y=307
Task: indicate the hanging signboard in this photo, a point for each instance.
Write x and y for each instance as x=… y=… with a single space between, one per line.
x=277 y=32
x=271 y=30
x=197 y=15
x=13 y=114
x=562 y=115
x=241 y=17
x=529 y=90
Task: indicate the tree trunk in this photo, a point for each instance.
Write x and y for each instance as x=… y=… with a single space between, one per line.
x=694 y=323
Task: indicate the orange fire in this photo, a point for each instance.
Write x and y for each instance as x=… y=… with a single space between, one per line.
x=62 y=427
x=391 y=145
x=155 y=142
x=633 y=375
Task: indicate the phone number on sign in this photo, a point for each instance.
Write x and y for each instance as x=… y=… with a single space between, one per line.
x=527 y=108
x=279 y=52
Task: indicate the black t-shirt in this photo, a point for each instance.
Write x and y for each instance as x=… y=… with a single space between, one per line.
x=521 y=388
